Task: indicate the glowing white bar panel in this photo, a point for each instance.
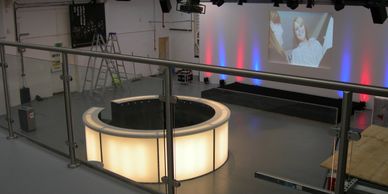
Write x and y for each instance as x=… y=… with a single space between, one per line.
x=162 y=157
x=93 y=151
x=140 y=155
x=221 y=143
x=193 y=155
x=133 y=158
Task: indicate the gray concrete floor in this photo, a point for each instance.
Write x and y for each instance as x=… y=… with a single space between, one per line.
x=27 y=168
x=277 y=144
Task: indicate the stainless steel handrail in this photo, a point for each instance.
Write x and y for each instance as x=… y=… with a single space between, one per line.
x=347 y=88
x=297 y=80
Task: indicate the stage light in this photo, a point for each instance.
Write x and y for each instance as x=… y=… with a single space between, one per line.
x=277 y=2
x=191 y=6
x=240 y=2
x=292 y=4
x=310 y=3
x=339 y=5
x=220 y=3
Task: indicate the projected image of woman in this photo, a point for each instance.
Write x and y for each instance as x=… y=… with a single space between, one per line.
x=308 y=51
x=276 y=37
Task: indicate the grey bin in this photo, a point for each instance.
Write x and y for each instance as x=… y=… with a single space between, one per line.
x=27 y=118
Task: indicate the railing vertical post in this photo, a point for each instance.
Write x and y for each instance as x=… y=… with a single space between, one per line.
x=169 y=115
x=69 y=119
x=343 y=142
x=4 y=67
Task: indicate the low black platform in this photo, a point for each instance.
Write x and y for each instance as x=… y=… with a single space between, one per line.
x=307 y=106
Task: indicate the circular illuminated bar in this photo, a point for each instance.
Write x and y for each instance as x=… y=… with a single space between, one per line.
x=133 y=143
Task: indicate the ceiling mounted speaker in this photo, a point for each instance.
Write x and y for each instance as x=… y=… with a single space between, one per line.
x=165 y=5
x=378 y=10
x=292 y=4
x=339 y=5
x=379 y=14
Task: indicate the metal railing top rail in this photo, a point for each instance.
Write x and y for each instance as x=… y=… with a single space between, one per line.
x=289 y=79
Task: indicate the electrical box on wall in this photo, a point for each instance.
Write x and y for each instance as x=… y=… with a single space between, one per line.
x=86 y=20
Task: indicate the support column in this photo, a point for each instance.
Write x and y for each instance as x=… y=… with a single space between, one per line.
x=343 y=142
x=4 y=67
x=69 y=119
x=169 y=116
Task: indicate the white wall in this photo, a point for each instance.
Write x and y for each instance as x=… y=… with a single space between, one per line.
x=8 y=20
x=138 y=24
x=48 y=27
x=2 y=29
x=182 y=43
x=137 y=34
x=132 y=21
x=247 y=27
x=39 y=79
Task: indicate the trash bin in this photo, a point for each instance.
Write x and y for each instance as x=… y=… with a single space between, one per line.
x=27 y=118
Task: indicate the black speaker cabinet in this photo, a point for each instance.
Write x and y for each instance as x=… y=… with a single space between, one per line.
x=222 y=83
x=25 y=95
x=379 y=14
x=165 y=5
x=206 y=80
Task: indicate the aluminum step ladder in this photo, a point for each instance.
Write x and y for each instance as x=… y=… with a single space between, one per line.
x=113 y=46
x=91 y=65
x=105 y=67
